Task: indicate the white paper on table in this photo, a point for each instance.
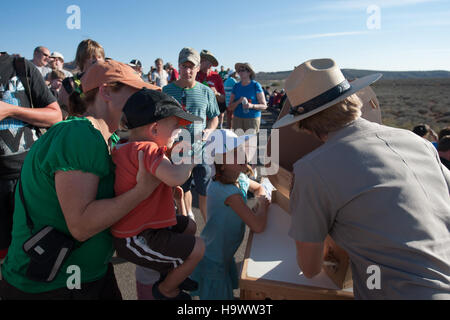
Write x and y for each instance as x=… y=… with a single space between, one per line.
x=268 y=187
x=273 y=254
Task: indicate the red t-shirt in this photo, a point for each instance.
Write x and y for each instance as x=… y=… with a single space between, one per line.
x=277 y=99
x=155 y=212
x=213 y=79
x=175 y=75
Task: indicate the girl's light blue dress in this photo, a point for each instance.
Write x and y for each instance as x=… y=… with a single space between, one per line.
x=217 y=274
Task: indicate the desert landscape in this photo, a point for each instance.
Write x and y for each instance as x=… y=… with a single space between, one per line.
x=408 y=102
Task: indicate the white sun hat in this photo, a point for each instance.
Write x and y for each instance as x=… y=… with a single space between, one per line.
x=57 y=55
x=317 y=85
x=223 y=141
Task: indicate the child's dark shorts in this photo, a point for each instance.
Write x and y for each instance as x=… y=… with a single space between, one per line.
x=158 y=249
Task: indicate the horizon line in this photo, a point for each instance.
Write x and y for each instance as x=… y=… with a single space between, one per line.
x=371 y=70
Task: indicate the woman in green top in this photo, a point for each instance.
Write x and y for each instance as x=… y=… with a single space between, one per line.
x=68 y=183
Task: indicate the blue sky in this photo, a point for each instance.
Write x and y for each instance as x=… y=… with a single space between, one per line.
x=271 y=35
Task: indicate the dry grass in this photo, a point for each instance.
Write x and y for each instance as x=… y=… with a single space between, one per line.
x=406 y=103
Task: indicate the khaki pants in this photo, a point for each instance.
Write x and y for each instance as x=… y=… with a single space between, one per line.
x=246 y=124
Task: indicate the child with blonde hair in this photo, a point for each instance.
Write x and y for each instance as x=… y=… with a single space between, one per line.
x=228 y=214
x=151 y=235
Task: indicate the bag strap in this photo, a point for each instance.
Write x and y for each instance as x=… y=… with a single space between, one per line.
x=30 y=223
x=21 y=72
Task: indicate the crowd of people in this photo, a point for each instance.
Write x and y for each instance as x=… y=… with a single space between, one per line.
x=87 y=158
x=440 y=141
x=88 y=101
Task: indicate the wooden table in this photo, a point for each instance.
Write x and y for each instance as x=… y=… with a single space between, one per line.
x=270 y=269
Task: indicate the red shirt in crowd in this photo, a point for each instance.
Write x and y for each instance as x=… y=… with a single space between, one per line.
x=212 y=79
x=277 y=99
x=173 y=75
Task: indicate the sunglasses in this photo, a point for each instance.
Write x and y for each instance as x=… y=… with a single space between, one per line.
x=243 y=70
x=44 y=54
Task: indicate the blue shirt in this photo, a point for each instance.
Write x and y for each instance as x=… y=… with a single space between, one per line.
x=224 y=229
x=228 y=85
x=249 y=91
x=223 y=233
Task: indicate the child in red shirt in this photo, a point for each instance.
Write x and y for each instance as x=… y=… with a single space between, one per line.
x=151 y=235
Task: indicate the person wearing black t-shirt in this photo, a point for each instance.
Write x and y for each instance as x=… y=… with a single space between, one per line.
x=18 y=121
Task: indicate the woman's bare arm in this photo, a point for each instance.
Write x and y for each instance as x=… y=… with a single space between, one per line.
x=261 y=105
x=85 y=216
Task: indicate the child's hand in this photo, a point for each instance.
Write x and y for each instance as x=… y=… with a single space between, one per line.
x=206 y=134
x=178 y=193
x=263 y=202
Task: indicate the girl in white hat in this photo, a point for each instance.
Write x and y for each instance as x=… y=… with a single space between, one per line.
x=228 y=213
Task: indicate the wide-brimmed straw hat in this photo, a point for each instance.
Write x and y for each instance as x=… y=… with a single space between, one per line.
x=317 y=85
x=247 y=65
x=205 y=54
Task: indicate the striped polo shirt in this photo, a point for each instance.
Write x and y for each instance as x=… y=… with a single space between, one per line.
x=199 y=100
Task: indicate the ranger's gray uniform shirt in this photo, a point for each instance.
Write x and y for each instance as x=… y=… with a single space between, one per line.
x=383 y=196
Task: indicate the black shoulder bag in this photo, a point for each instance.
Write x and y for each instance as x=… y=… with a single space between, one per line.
x=47 y=249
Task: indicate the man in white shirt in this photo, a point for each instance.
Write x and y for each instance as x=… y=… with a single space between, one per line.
x=160 y=76
x=41 y=56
